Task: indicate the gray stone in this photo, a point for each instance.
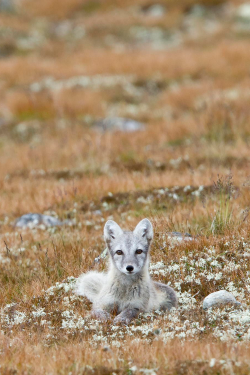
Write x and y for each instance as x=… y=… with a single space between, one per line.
x=178 y=236
x=156 y=10
x=222 y=297
x=97 y=213
x=7 y=6
x=198 y=10
x=243 y=12
x=119 y=124
x=33 y=220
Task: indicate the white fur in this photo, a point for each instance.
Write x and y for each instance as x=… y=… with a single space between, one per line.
x=90 y=284
x=126 y=293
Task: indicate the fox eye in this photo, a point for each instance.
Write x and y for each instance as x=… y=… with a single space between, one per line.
x=138 y=251
x=119 y=252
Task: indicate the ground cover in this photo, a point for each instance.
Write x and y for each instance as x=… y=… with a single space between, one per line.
x=180 y=68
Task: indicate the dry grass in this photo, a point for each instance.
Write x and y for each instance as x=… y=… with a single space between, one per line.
x=186 y=76
x=105 y=362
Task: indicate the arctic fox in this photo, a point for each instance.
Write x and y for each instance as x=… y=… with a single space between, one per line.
x=126 y=289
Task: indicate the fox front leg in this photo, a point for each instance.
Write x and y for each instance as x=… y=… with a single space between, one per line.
x=126 y=316
x=100 y=314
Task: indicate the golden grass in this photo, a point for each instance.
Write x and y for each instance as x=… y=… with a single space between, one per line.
x=231 y=63
x=42 y=360
x=194 y=101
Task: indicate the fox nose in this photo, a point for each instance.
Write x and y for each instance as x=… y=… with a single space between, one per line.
x=129 y=268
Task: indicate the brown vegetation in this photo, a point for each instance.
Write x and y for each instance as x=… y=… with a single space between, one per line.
x=185 y=75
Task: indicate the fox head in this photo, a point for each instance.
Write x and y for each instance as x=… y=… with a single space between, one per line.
x=128 y=250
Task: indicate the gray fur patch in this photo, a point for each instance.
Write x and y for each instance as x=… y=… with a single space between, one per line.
x=122 y=290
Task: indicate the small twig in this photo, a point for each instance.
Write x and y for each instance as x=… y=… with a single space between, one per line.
x=7 y=249
x=196 y=294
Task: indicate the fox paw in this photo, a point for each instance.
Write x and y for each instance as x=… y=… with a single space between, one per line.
x=122 y=320
x=100 y=315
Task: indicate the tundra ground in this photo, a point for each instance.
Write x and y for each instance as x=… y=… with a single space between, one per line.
x=180 y=68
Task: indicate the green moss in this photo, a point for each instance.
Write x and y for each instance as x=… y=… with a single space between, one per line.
x=33 y=115
x=91 y=6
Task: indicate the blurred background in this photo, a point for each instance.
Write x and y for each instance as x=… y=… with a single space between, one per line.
x=118 y=95
x=123 y=109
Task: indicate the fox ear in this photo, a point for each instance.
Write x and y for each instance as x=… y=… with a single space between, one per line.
x=111 y=230
x=144 y=229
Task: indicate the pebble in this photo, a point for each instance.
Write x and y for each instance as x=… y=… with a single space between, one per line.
x=178 y=236
x=119 y=124
x=156 y=10
x=243 y=12
x=33 y=220
x=222 y=297
x=7 y=6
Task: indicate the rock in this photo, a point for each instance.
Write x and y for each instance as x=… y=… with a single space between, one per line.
x=198 y=10
x=33 y=220
x=243 y=12
x=155 y=10
x=119 y=124
x=7 y=6
x=178 y=236
x=222 y=297
x=97 y=213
